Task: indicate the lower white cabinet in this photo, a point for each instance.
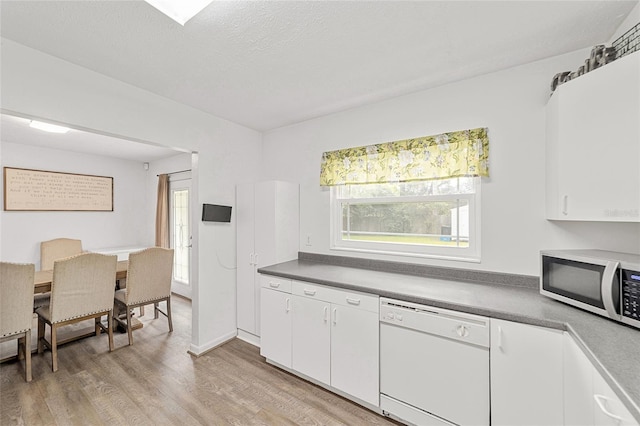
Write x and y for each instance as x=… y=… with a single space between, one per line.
x=335 y=338
x=324 y=333
x=311 y=338
x=588 y=399
x=526 y=375
x=275 y=317
x=578 y=385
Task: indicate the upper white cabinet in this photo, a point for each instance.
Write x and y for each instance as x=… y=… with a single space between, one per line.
x=526 y=375
x=593 y=145
x=267 y=233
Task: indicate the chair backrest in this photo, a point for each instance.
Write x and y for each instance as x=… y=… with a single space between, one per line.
x=82 y=285
x=149 y=275
x=16 y=297
x=52 y=250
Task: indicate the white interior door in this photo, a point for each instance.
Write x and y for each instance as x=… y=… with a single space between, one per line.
x=180 y=237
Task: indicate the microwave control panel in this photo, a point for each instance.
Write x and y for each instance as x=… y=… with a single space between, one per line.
x=631 y=294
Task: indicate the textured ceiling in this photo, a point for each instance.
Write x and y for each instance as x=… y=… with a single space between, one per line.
x=267 y=64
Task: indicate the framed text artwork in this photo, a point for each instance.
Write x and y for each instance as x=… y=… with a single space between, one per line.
x=40 y=190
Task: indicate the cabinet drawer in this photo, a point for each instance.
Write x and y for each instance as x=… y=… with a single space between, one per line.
x=275 y=283
x=356 y=299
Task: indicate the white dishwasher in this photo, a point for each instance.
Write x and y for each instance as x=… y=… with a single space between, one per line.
x=434 y=364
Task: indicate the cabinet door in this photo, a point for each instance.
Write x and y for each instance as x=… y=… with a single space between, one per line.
x=246 y=280
x=311 y=338
x=608 y=409
x=354 y=352
x=595 y=140
x=275 y=341
x=526 y=375
x=578 y=385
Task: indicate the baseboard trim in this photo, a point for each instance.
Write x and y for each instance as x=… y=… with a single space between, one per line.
x=252 y=339
x=198 y=351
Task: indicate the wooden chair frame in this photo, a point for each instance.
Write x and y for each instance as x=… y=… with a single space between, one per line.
x=24 y=350
x=156 y=310
x=53 y=345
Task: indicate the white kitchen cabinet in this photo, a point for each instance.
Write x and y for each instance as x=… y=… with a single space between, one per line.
x=335 y=339
x=267 y=233
x=608 y=408
x=526 y=375
x=311 y=344
x=354 y=352
x=275 y=312
x=593 y=145
x=588 y=399
x=578 y=385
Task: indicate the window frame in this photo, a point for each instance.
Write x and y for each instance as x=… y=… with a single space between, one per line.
x=465 y=254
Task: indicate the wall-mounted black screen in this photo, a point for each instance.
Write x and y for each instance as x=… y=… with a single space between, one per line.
x=216 y=213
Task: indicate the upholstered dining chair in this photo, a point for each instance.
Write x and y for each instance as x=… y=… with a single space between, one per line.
x=82 y=288
x=148 y=281
x=16 y=314
x=50 y=251
x=53 y=250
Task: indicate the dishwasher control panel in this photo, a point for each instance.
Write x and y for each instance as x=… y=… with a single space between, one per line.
x=473 y=329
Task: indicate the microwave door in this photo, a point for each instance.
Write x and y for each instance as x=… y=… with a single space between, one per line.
x=611 y=289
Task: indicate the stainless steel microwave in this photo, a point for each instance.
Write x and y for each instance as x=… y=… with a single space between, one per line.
x=603 y=282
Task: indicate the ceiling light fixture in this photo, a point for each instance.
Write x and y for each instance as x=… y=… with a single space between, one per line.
x=52 y=128
x=180 y=10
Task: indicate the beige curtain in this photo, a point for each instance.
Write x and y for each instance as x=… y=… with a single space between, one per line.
x=162 y=212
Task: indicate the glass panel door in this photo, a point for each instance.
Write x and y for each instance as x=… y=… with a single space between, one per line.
x=180 y=239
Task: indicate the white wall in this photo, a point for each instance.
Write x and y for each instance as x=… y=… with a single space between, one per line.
x=38 y=85
x=629 y=22
x=511 y=104
x=22 y=232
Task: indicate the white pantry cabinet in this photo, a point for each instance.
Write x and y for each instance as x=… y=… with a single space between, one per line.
x=588 y=399
x=335 y=339
x=267 y=215
x=526 y=375
x=593 y=145
x=275 y=319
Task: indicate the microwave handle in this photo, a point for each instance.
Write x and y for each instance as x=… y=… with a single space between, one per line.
x=608 y=287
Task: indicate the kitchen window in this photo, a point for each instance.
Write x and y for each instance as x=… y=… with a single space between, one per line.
x=434 y=218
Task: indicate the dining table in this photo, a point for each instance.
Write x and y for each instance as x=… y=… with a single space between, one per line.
x=42 y=279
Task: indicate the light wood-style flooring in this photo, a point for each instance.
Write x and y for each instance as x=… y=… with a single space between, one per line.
x=155 y=382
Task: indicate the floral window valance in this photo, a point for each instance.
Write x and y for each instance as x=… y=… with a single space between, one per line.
x=448 y=155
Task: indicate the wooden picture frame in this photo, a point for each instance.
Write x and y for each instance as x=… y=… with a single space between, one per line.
x=41 y=190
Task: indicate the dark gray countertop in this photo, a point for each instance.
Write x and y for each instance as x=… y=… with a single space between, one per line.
x=613 y=348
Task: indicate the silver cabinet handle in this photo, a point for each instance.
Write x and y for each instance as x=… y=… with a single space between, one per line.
x=500 y=339
x=274 y=284
x=335 y=316
x=326 y=314
x=353 y=301
x=603 y=407
x=565 y=205
x=309 y=292
x=288 y=305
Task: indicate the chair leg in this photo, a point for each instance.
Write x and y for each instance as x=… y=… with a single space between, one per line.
x=97 y=325
x=110 y=329
x=155 y=310
x=129 y=327
x=20 y=341
x=169 y=314
x=142 y=310
x=54 y=347
x=40 y=335
x=27 y=356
